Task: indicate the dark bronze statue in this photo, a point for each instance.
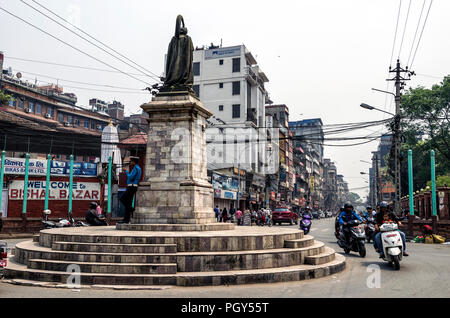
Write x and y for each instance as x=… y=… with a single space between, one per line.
x=179 y=69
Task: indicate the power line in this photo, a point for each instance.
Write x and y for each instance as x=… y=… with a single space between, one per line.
x=70 y=45
x=95 y=39
x=421 y=33
x=404 y=29
x=89 y=89
x=415 y=33
x=71 y=66
x=395 y=34
x=50 y=18
x=76 y=82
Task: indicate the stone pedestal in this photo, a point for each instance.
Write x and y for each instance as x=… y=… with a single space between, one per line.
x=175 y=189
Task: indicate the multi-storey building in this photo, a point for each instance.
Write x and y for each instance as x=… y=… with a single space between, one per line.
x=230 y=84
x=116 y=110
x=48 y=106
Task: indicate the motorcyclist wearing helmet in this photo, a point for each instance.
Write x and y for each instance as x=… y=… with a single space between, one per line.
x=386 y=216
x=346 y=216
x=92 y=218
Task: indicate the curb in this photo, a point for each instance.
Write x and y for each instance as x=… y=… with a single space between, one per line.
x=30 y=283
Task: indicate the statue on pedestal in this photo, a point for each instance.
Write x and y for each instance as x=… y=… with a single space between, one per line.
x=179 y=68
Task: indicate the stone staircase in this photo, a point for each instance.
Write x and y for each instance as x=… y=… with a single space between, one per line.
x=241 y=256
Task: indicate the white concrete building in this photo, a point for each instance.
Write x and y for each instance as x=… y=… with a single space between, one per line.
x=230 y=84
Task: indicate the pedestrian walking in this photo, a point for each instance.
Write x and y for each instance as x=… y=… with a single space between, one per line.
x=217 y=213
x=254 y=217
x=247 y=218
x=134 y=173
x=239 y=217
x=224 y=215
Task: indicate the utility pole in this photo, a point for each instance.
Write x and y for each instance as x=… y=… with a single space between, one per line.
x=399 y=84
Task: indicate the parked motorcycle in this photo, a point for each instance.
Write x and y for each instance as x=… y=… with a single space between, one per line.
x=392 y=244
x=305 y=223
x=356 y=241
x=47 y=224
x=3 y=256
x=370 y=229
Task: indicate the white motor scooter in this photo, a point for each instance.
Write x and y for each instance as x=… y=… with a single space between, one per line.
x=392 y=244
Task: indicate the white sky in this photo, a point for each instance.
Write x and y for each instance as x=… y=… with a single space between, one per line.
x=322 y=57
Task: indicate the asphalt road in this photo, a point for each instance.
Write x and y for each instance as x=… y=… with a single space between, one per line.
x=425 y=273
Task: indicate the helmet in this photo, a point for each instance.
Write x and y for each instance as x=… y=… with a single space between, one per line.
x=348 y=205
x=93 y=205
x=383 y=204
x=369 y=207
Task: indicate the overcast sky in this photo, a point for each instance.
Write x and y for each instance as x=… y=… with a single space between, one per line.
x=322 y=57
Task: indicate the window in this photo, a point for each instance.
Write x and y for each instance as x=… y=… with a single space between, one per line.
x=282 y=117
x=93 y=126
x=20 y=103
x=220 y=85
x=86 y=124
x=77 y=122
x=50 y=111
x=236 y=65
x=220 y=62
x=236 y=88
x=67 y=157
x=38 y=109
x=70 y=119
x=197 y=69
x=237 y=111
x=220 y=108
x=60 y=118
x=100 y=127
x=197 y=90
x=12 y=102
x=31 y=106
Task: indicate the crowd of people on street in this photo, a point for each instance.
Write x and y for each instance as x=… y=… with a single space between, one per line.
x=260 y=217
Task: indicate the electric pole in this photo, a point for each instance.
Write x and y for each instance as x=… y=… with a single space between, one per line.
x=399 y=84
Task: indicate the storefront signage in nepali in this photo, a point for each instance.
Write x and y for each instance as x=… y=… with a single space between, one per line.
x=59 y=190
x=38 y=167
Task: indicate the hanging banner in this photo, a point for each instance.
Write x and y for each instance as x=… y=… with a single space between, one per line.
x=59 y=190
x=38 y=167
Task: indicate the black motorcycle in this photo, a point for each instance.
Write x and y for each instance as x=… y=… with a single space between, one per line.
x=356 y=240
x=370 y=229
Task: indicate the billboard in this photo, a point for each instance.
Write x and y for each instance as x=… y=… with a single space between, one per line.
x=59 y=190
x=222 y=52
x=38 y=167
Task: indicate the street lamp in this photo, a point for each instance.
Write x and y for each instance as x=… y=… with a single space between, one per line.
x=372 y=108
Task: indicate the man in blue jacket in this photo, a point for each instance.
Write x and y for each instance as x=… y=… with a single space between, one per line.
x=346 y=216
x=133 y=177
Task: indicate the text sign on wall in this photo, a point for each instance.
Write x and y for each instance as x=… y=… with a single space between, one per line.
x=38 y=167
x=222 y=52
x=59 y=190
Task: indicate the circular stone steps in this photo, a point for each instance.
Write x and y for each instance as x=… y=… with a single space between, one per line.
x=328 y=255
x=106 y=256
x=273 y=275
x=116 y=268
x=114 y=248
x=241 y=238
x=186 y=262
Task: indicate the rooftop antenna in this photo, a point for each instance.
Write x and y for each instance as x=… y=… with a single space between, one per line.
x=221 y=42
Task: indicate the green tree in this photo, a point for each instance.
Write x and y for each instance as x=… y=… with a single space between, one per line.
x=4 y=98
x=425 y=127
x=355 y=198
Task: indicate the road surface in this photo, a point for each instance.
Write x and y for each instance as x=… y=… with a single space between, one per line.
x=425 y=273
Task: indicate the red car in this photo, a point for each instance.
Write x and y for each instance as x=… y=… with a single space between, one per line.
x=284 y=215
